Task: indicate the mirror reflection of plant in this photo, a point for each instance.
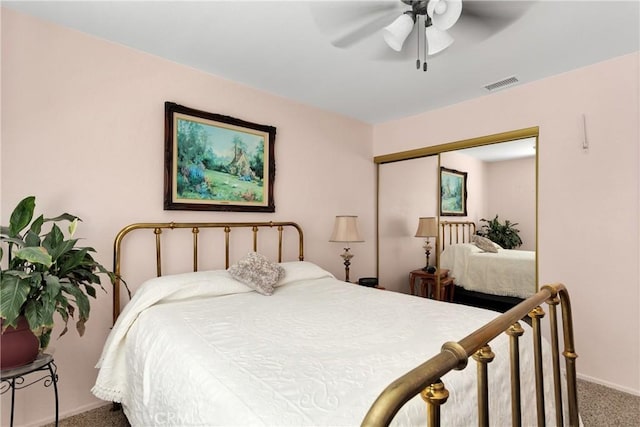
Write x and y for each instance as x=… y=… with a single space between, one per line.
x=46 y=273
x=506 y=235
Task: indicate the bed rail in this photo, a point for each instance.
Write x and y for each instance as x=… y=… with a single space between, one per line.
x=195 y=230
x=426 y=378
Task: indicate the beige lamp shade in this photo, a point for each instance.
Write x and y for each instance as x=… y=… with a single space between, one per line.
x=345 y=229
x=427 y=227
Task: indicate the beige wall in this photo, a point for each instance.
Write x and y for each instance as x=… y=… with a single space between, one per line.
x=588 y=199
x=83 y=131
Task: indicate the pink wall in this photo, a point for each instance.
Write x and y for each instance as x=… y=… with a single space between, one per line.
x=399 y=250
x=83 y=131
x=513 y=196
x=588 y=200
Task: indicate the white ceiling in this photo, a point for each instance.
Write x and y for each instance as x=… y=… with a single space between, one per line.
x=284 y=47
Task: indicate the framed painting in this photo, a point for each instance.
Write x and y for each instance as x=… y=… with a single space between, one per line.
x=218 y=163
x=453 y=192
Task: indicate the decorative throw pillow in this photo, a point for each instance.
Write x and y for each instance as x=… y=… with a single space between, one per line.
x=484 y=244
x=257 y=272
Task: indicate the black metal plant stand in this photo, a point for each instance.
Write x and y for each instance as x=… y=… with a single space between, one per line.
x=14 y=379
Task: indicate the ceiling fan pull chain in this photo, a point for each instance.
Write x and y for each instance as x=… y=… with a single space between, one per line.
x=418 y=35
x=424 y=33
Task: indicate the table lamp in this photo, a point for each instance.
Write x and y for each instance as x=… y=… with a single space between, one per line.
x=427 y=227
x=345 y=230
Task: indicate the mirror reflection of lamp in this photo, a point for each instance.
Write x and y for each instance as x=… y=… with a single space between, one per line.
x=427 y=227
x=345 y=230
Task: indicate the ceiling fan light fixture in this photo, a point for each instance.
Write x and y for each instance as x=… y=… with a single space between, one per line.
x=397 y=32
x=437 y=40
x=444 y=13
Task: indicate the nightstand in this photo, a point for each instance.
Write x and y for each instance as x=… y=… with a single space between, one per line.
x=428 y=284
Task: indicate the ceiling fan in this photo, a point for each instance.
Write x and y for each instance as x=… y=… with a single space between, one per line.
x=383 y=28
x=437 y=17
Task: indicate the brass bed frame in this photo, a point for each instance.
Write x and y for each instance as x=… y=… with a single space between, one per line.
x=195 y=227
x=453 y=232
x=426 y=379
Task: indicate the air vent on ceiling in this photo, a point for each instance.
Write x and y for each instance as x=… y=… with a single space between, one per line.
x=502 y=83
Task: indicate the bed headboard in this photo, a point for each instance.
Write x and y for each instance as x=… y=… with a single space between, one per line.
x=452 y=232
x=195 y=229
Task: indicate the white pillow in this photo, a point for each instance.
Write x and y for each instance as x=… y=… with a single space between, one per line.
x=484 y=244
x=257 y=272
x=301 y=270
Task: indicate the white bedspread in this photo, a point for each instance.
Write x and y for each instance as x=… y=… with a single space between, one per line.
x=507 y=272
x=315 y=353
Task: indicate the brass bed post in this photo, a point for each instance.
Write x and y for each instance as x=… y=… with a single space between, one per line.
x=569 y=353
x=434 y=395
x=115 y=309
x=195 y=231
x=227 y=230
x=157 y=231
x=254 y=229
x=483 y=356
x=536 y=314
x=280 y=230
x=515 y=332
x=555 y=353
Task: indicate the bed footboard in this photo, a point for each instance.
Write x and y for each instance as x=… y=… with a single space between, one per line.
x=426 y=378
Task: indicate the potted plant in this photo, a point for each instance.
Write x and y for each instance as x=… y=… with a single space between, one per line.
x=45 y=273
x=506 y=235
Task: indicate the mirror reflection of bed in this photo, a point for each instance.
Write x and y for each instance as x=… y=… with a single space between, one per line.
x=485 y=273
x=501 y=180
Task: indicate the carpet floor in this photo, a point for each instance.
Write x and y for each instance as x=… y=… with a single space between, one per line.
x=599 y=406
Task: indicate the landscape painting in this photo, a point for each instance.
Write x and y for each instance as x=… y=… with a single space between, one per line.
x=215 y=162
x=453 y=192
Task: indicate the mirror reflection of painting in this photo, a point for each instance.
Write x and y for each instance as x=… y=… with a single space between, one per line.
x=453 y=192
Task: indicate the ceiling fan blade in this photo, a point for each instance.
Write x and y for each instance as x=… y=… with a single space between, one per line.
x=485 y=18
x=346 y=23
x=382 y=52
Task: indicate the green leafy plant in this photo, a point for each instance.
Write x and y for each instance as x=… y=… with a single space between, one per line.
x=46 y=273
x=506 y=235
